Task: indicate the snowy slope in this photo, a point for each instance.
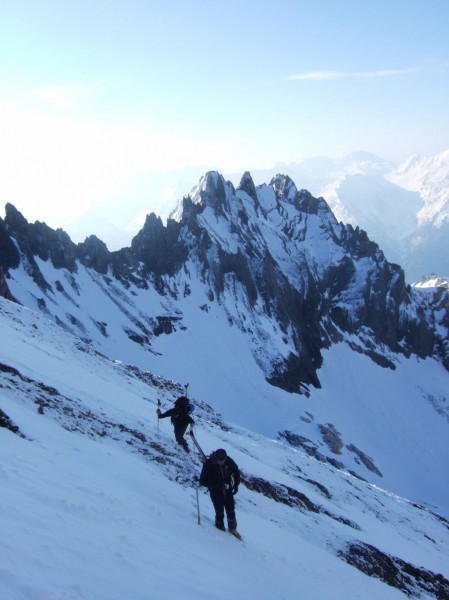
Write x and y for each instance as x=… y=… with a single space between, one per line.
x=96 y=504
x=388 y=422
x=429 y=176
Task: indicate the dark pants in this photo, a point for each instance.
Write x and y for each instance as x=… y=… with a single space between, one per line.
x=179 y=435
x=223 y=501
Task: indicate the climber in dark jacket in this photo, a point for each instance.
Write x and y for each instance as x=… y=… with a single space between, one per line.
x=180 y=419
x=222 y=476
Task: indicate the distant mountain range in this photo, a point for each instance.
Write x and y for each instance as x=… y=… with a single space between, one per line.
x=404 y=208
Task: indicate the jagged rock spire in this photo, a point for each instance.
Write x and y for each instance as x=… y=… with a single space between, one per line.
x=247 y=185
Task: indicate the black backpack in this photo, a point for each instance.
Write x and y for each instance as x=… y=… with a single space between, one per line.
x=183 y=404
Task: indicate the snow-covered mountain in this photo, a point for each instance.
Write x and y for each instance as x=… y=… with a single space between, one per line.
x=97 y=504
x=432 y=281
x=288 y=322
x=404 y=208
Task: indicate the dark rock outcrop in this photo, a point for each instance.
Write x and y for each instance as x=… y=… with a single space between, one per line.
x=159 y=247
x=94 y=253
x=4 y=289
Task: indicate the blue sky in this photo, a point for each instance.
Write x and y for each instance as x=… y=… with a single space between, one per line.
x=95 y=93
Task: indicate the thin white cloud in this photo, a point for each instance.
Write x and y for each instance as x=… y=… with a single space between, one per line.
x=319 y=75
x=384 y=73
x=329 y=75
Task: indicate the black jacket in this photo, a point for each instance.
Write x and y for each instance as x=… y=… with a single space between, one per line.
x=179 y=417
x=225 y=476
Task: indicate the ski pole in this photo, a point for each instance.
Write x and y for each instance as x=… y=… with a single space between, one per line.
x=198 y=505
x=158 y=409
x=186 y=387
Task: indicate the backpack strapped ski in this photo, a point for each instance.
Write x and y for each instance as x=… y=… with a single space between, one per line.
x=198 y=447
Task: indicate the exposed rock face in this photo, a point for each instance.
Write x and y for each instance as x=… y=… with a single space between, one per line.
x=434 y=304
x=9 y=255
x=7 y=423
x=331 y=437
x=247 y=186
x=159 y=247
x=366 y=460
x=4 y=289
x=42 y=241
x=94 y=254
x=270 y=254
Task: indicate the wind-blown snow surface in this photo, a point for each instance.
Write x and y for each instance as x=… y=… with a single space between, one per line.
x=96 y=505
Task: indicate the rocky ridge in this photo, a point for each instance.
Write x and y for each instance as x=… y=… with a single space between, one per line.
x=269 y=250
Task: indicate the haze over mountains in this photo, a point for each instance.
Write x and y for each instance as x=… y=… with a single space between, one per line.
x=403 y=207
